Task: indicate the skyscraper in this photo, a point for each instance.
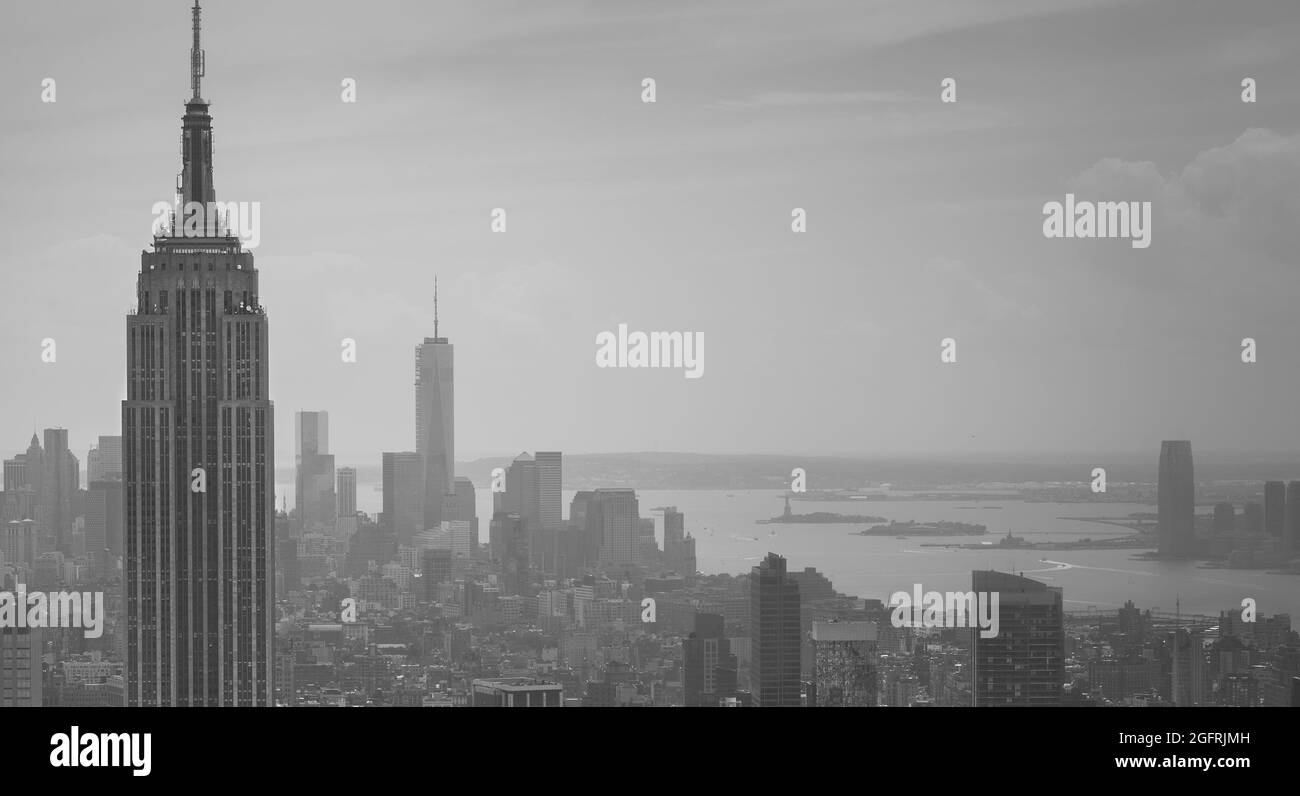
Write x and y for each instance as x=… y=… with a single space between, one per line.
x=404 y=513
x=522 y=494
x=679 y=546
x=844 y=664
x=1292 y=530
x=1176 y=498
x=466 y=503
x=22 y=483
x=104 y=462
x=708 y=664
x=1275 y=509
x=1024 y=664
x=550 y=477
x=347 y=491
x=104 y=522
x=776 y=635
x=198 y=457
x=434 y=419
x=20 y=667
x=618 y=515
x=314 y=472
x=60 y=479
x=508 y=533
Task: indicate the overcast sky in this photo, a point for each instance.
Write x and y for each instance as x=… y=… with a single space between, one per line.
x=924 y=218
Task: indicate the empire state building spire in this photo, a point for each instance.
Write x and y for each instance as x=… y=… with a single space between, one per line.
x=196 y=56
x=194 y=184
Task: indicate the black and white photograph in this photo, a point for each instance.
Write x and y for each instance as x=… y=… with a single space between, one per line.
x=649 y=353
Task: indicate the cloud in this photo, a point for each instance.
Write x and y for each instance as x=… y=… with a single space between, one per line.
x=1245 y=196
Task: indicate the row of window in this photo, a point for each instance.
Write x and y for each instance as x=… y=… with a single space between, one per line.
x=181 y=267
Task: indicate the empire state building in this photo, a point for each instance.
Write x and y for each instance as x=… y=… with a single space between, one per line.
x=197 y=457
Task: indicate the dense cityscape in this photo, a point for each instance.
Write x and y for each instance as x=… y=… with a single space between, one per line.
x=216 y=596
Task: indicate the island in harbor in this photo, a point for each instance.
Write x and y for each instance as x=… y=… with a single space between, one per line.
x=906 y=529
x=818 y=517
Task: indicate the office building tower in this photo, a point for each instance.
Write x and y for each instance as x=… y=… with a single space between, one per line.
x=585 y=524
x=522 y=494
x=466 y=500
x=776 y=635
x=104 y=523
x=60 y=480
x=1225 y=518
x=687 y=565
x=19 y=542
x=1176 y=498
x=1190 y=685
x=679 y=546
x=844 y=664
x=813 y=585
x=450 y=535
x=16 y=474
x=708 y=664
x=550 y=478
x=1292 y=523
x=21 y=677
x=198 y=446
x=22 y=482
x=104 y=462
x=370 y=547
x=347 y=491
x=404 y=513
x=617 y=519
x=346 y=522
x=645 y=549
x=674 y=536
x=508 y=534
x=1274 y=509
x=314 y=493
x=1024 y=664
x=434 y=418
x=436 y=567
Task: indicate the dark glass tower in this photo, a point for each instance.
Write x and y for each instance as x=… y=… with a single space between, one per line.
x=1024 y=664
x=777 y=635
x=1292 y=529
x=1275 y=509
x=197 y=456
x=1176 y=496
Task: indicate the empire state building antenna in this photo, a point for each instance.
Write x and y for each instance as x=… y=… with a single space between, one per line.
x=198 y=59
